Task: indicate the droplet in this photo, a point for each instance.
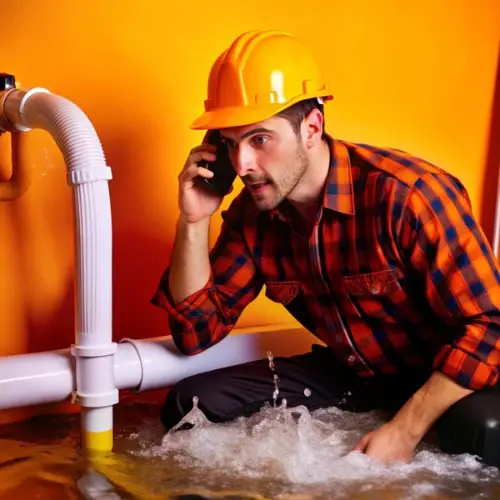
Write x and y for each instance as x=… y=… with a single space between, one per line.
x=271 y=360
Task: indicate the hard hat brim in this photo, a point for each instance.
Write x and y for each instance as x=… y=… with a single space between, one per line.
x=240 y=116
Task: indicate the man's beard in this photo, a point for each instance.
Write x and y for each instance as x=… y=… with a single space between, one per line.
x=284 y=185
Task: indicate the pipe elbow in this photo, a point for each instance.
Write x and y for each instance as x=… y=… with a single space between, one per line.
x=22 y=110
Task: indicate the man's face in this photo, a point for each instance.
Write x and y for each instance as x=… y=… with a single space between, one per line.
x=269 y=157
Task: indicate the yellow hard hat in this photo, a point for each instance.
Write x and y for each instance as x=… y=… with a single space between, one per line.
x=261 y=74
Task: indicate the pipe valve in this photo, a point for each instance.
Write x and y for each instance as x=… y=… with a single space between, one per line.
x=7 y=81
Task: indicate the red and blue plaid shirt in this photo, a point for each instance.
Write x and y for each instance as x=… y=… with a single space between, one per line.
x=396 y=275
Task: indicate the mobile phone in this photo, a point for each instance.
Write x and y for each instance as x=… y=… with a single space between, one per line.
x=224 y=173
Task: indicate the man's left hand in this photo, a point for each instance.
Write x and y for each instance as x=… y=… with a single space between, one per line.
x=388 y=443
x=397 y=439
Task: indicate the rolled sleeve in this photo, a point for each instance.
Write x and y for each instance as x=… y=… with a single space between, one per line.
x=195 y=305
x=189 y=319
x=465 y=367
x=447 y=247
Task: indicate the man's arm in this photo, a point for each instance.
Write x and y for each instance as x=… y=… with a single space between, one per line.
x=422 y=410
x=397 y=440
x=190 y=264
x=206 y=292
x=439 y=238
x=443 y=244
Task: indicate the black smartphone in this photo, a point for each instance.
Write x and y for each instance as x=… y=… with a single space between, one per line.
x=224 y=174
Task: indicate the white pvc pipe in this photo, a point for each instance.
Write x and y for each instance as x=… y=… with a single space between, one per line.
x=88 y=174
x=31 y=379
x=128 y=366
x=163 y=365
x=139 y=365
x=96 y=419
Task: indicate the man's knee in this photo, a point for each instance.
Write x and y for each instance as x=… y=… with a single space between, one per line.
x=180 y=399
x=472 y=426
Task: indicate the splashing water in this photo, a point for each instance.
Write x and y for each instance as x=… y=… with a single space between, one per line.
x=193 y=418
x=275 y=377
x=282 y=451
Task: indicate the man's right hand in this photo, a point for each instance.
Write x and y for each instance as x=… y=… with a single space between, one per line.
x=196 y=202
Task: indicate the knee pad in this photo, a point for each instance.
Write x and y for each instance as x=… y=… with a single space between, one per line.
x=472 y=426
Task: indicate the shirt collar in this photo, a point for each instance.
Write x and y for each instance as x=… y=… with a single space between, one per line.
x=338 y=192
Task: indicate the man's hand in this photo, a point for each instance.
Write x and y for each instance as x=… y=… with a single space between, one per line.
x=398 y=439
x=388 y=443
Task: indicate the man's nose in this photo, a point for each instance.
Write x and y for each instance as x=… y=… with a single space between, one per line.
x=243 y=160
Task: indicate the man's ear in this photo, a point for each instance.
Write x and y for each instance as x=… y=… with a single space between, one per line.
x=313 y=127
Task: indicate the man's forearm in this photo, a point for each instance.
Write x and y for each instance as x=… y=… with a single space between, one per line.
x=190 y=264
x=420 y=412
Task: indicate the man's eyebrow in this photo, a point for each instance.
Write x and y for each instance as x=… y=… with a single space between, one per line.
x=258 y=130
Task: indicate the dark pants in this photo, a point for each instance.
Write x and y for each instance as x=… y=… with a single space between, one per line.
x=317 y=380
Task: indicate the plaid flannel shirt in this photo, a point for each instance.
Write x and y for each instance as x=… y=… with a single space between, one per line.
x=396 y=276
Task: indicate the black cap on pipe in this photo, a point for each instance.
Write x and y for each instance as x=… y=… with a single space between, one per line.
x=7 y=81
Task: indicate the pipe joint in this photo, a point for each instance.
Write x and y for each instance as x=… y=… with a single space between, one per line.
x=101 y=400
x=95 y=351
x=20 y=98
x=95 y=380
x=136 y=345
x=36 y=90
x=91 y=174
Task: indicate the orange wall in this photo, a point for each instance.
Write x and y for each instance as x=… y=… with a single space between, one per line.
x=417 y=77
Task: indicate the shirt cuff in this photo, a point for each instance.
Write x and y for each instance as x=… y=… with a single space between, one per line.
x=188 y=310
x=465 y=369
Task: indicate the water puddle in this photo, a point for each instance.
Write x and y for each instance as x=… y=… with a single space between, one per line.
x=292 y=453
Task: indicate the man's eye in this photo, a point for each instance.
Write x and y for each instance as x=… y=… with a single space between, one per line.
x=260 y=139
x=228 y=143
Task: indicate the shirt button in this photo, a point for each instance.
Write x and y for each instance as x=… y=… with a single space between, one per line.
x=351 y=358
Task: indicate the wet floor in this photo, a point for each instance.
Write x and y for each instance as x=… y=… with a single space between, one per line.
x=280 y=453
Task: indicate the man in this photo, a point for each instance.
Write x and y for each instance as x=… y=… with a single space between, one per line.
x=374 y=251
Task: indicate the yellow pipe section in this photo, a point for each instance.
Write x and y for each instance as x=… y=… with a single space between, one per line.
x=22 y=172
x=97 y=442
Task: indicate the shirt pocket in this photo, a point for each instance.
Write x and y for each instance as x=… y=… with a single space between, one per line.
x=282 y=292
x=377 y=283
x=380 y=296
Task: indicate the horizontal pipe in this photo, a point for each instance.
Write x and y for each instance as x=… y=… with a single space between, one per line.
x=139 y=365
x=29 y=379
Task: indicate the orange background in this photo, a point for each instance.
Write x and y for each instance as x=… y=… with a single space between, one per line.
x=422 y=78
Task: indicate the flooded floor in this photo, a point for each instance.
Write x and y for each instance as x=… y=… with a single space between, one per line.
x=280 y=453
